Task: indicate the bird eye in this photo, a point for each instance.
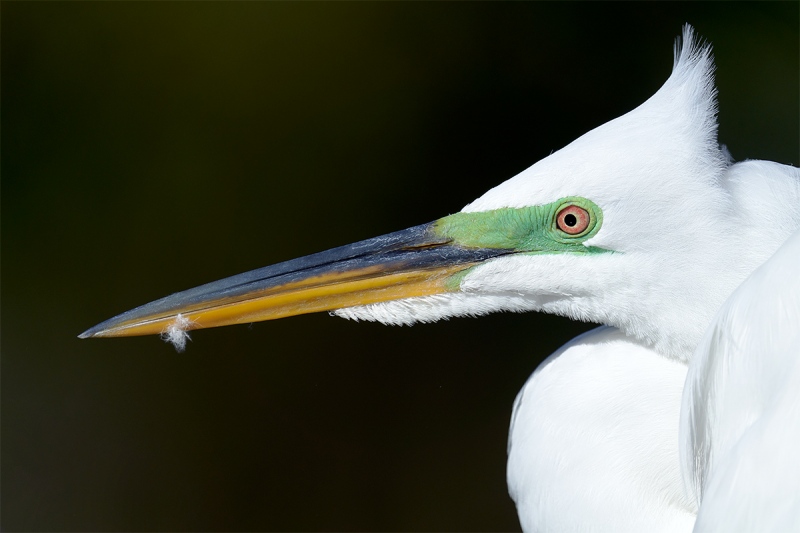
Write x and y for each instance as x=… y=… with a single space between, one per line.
x=573 y=220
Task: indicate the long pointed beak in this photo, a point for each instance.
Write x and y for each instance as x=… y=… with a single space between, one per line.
x=412 y=262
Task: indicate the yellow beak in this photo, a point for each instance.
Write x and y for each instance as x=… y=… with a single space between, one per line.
x=404 y=264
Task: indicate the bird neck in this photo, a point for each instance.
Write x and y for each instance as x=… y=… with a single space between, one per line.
x=671 y=308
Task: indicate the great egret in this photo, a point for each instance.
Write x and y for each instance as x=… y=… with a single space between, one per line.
x=643 y=224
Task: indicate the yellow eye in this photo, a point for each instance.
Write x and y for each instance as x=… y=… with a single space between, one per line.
x=573 y=220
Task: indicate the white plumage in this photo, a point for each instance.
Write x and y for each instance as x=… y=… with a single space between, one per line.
x=594 y=442
x=740 y=431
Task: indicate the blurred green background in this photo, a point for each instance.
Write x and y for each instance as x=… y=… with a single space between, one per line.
x=149 y=147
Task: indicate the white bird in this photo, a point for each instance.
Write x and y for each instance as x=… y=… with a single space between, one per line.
x=643 y=224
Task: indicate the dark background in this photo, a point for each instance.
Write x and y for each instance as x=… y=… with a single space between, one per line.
x=148 y=148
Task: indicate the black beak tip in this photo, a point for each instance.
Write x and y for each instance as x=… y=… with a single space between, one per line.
x=91 y=332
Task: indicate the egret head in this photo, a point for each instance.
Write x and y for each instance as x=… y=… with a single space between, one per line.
x=650 y=185
x=625 y=226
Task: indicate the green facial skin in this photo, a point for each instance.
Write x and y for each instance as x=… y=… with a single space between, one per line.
x=530 y=230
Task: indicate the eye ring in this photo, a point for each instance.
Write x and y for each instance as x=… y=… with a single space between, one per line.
x=573 y=220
